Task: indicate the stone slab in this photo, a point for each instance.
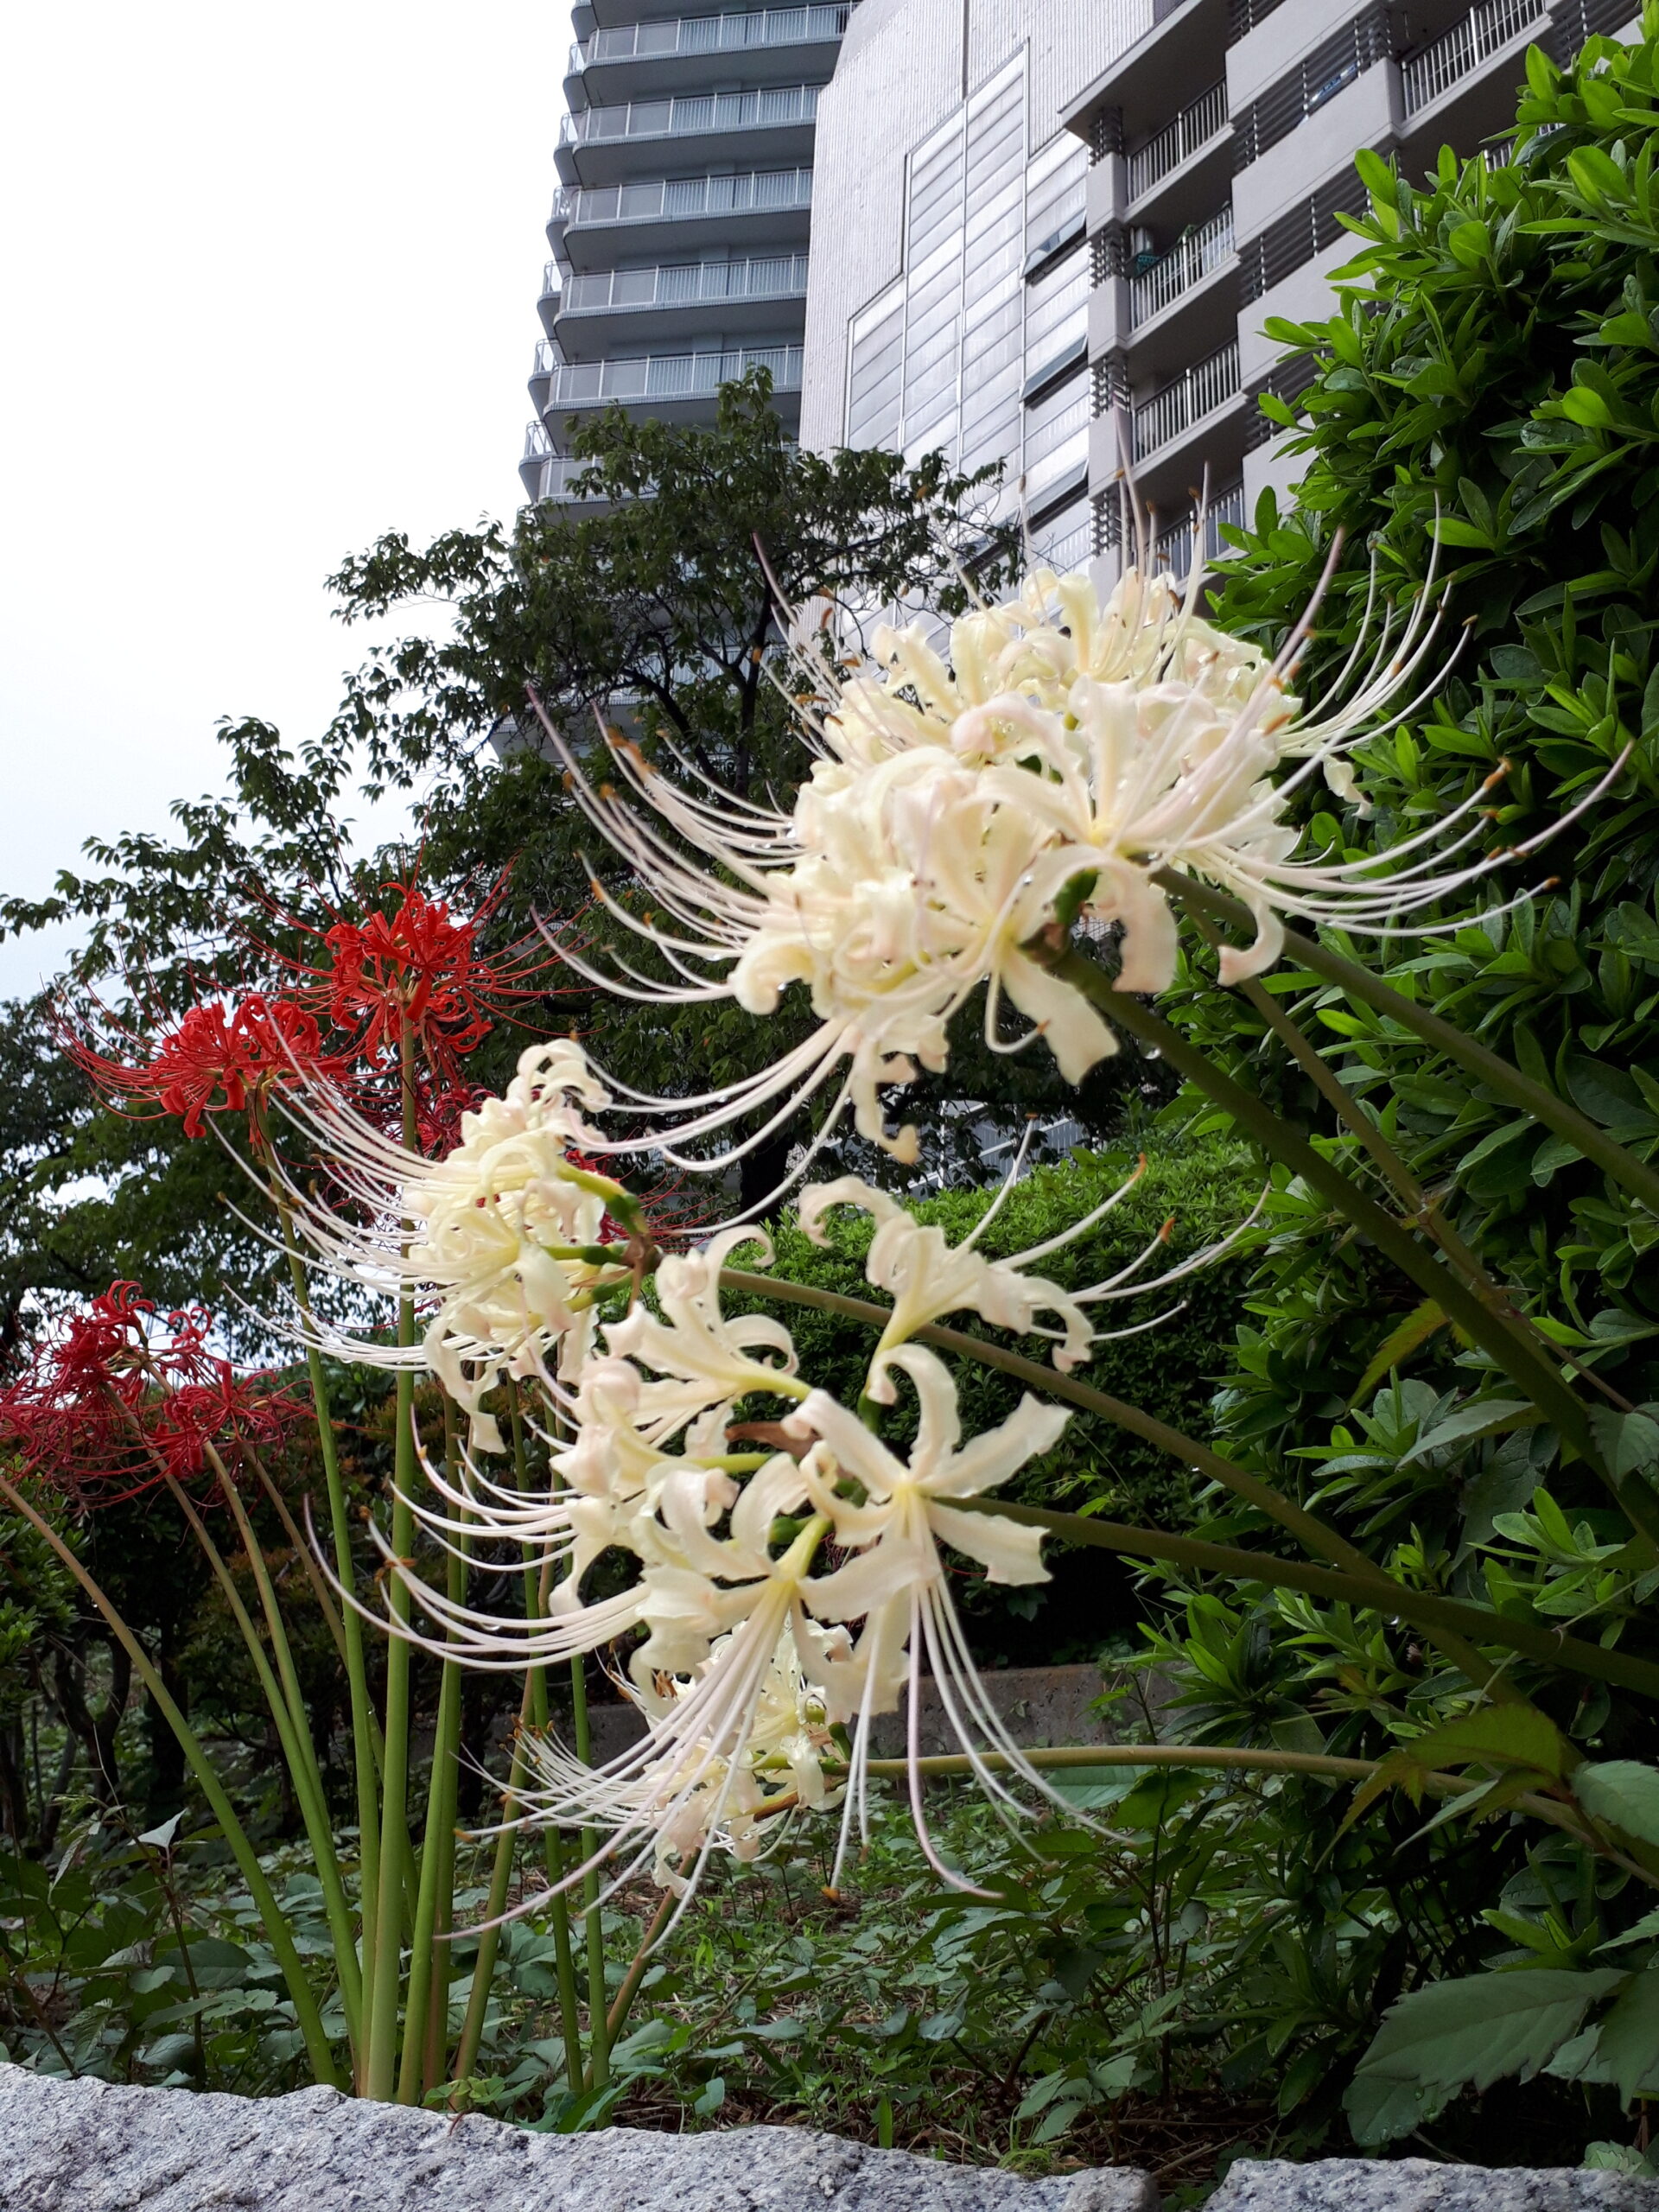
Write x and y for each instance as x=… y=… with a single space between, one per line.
x=1420 y=2185
x=95 y=2146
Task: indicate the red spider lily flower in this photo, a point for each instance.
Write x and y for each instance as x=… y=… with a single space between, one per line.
x=221 y=1057
x=112 y=1404
x=417 y=967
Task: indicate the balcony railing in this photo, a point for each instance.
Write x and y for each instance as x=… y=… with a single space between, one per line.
x=549 y=280
x=687 y=117
x=1186 y=264
x=537 y=444
x=672 y=376
x=1184 y=136
x=1198 y=392
x=1483 y=32
x=755 y=192
x=780 y=277
x=1066 y=544
x=559 y=473
x=1172 y=551
x=715 y=34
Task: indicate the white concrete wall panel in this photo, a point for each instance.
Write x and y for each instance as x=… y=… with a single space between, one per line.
x=899 y=72
x=1305 y=296
x=1262 y=56
x=1362 y=114
x=904 y=67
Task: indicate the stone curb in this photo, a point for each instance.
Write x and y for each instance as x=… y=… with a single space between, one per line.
x=98 y=2147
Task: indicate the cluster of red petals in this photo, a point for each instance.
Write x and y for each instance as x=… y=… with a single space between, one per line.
x=113 y=1405
x=220 y=1057
x=417 y=969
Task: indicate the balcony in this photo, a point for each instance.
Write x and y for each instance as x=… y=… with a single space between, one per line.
x=1485 y=31
x=670 y=377
x=713 y=34
x=692 y=284
x=537 y=444
x=683 y=199
x=767 y=107
x=1171 y=550
x=1186 y=264
x=557 y=475
x=1179 y=139
x=1198 y=392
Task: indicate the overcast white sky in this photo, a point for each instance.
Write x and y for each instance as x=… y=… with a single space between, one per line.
x=270 y=284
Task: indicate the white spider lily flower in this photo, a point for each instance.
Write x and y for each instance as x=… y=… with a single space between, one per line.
x=963 y=813
x=783 y=1768
x=925 y=1275
x=499 y=1242
x=705 y=1358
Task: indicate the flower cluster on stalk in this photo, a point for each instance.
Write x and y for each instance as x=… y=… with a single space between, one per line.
x=118 y=1400
x=969 y=808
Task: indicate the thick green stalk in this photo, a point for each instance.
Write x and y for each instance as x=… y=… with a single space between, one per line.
x=1551 y=1646
x=380 y=2077
x=1366 y=1584
x=489 y=1942
x=636 y=1973
x=1535 y=1098
x=306 y=2011
x=948 y=1764
x=303 y=1760
x=428 y=1978
x=366 y=1751
x=599 y=2044
x=1542 y=1384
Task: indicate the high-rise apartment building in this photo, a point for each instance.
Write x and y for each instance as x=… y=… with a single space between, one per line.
x=949 y=301
x=679 y=228
x=1222 y=150
x=1051 y=232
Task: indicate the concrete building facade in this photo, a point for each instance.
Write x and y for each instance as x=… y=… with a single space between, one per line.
x=680 y=226
x=949 y=299
x=1052 y=231
x=1211 y=212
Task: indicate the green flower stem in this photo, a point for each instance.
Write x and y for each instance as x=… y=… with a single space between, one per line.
x=1541 y=1381
x=636 y=1972
x=1201 y=1755
x=303 y=1755
x=536 y=1586
x=598 y=2047
x=1314 y=1534
x=381 y=2073
x=301 y=1550
x=1366 y=1584
x=1535 y=1098
x=427 y=1985
x=367 y=1750
x=489 y=1940
x=1553 y=1647
x=300 y=1994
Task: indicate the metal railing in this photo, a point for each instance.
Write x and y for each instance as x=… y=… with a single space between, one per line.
x=688 y=115
x=559 y=472
x=1198 y=392
x=547 y=358
x=537 y=444
x=1182 y=136
x=753 y=193
x=1172 y=550
x=1187 y=263
x=1483 y=32
x=1068 y=549
x=672 y=376
x=715 y=34
x=781 y=277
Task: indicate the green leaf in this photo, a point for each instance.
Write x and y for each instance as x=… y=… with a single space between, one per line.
x=1477 y=1417
x=1630 y=2039
x=1622 y=1792
x=1627 y=1440
x=1466 y=2033
x=1404 y=1338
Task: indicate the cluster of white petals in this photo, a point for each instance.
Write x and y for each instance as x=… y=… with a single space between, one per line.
x=789 y=1583
x=1043 y=772
x=499 y=1242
